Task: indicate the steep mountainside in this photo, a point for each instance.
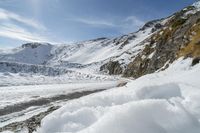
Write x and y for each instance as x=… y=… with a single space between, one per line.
x=178 y=37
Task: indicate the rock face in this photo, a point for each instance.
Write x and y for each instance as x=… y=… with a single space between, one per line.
x=31 y=45
x=196 y=61
x=113 y=68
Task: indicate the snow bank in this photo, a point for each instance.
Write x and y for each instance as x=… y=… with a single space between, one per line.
x=150 y=116
x=164 y=102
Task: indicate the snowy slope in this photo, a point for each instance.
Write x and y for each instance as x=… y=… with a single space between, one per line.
x=166 y=102
x=34 y=53
x=37 y=63
x=106 y=49
x=82 y=53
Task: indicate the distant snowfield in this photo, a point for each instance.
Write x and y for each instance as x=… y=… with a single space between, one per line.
x=19 y=79
x=163 y=102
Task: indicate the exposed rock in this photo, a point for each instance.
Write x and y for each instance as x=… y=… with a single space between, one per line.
x=195 y=61
x=99 y=39
x=150 y=23
x=122 y=83
x=31 y=45
x=113 y=68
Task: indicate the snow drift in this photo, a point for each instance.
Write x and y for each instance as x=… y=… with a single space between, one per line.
x=163 y=102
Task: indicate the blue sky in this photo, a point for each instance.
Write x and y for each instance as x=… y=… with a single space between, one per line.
x=64 y=21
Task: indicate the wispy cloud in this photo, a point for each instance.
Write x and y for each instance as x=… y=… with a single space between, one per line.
x=124 y=25
x=7 y=15
x=133 y=20
x=93 y=22
x=14 y=26
x=15 y=32
x=131 y=23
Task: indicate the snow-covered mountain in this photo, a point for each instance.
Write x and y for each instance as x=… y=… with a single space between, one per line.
x=163 y=102
x=163 y=58
x=153 y=47
x=82 y=54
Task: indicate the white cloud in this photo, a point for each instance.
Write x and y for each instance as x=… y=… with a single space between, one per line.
x=130 y=24
x=9 y=16
x=15 y=32
x=133 y=20
x=123 y=25
x=9 y=28
x=93 y=22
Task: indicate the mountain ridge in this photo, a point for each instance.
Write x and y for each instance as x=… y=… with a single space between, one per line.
x=153 y=47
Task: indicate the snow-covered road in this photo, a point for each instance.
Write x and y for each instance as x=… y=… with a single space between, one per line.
x=18 y=94
x=19 y=103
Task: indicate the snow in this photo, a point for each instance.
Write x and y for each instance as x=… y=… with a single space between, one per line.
x=196 y=9
x=99 y=52
x=197 y=5
x=17 y=94
x=151 y=55
x=18 y=79
x=7 y=132
x=27 y=54
x=80 y=54
x=165 y=91
x=189 y=12
x=163 y=102
x=22 y=115
x=22 y=131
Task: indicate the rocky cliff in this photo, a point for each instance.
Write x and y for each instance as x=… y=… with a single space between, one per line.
x=176 y=36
